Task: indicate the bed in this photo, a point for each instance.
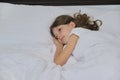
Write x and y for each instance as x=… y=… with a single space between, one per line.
x=27 y=49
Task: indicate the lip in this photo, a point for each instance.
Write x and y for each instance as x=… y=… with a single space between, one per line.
x=61 y=39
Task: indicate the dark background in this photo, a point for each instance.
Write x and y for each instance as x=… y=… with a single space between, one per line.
x=64 y=2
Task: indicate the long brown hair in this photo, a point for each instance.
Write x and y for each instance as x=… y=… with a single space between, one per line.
x=80 y=20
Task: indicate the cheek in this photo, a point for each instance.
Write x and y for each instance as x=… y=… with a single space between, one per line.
x=66 y=32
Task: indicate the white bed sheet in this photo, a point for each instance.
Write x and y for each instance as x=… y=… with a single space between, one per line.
x=26 y=47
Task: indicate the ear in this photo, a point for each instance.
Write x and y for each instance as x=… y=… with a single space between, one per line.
x=72 y=24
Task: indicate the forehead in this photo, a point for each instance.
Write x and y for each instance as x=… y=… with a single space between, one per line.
x=56 y=28
x=65 y=26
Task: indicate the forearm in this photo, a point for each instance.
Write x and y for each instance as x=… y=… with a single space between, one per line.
x=58 y=51
x=64 y=54
x=62 y=58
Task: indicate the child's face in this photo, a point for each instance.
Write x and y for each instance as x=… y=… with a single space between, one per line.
x=62 y=32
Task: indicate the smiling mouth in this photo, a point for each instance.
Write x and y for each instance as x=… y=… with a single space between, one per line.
x=61 y=40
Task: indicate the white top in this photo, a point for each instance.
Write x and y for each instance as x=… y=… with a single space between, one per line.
x=87 y=39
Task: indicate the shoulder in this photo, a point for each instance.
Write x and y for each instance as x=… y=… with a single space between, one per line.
x=79 y=31
x=72 y=41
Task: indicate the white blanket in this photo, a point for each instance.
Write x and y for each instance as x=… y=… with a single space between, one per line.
x=27 y=50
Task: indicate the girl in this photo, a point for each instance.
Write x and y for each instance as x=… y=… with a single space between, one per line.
x=67 y=33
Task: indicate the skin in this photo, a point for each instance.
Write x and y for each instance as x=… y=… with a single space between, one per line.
x=62 y=37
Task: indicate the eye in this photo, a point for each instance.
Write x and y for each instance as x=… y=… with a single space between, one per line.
x=59 y=29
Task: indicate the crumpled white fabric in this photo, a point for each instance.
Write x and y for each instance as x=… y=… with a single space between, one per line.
x=19 y=66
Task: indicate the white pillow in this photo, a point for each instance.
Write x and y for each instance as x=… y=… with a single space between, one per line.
x=109 y=14
x=25 y=28
x=26 y=24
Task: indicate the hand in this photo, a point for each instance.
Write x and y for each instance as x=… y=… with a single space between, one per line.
x=57 y=43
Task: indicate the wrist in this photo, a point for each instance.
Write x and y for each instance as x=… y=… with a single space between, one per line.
x=59 y=46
